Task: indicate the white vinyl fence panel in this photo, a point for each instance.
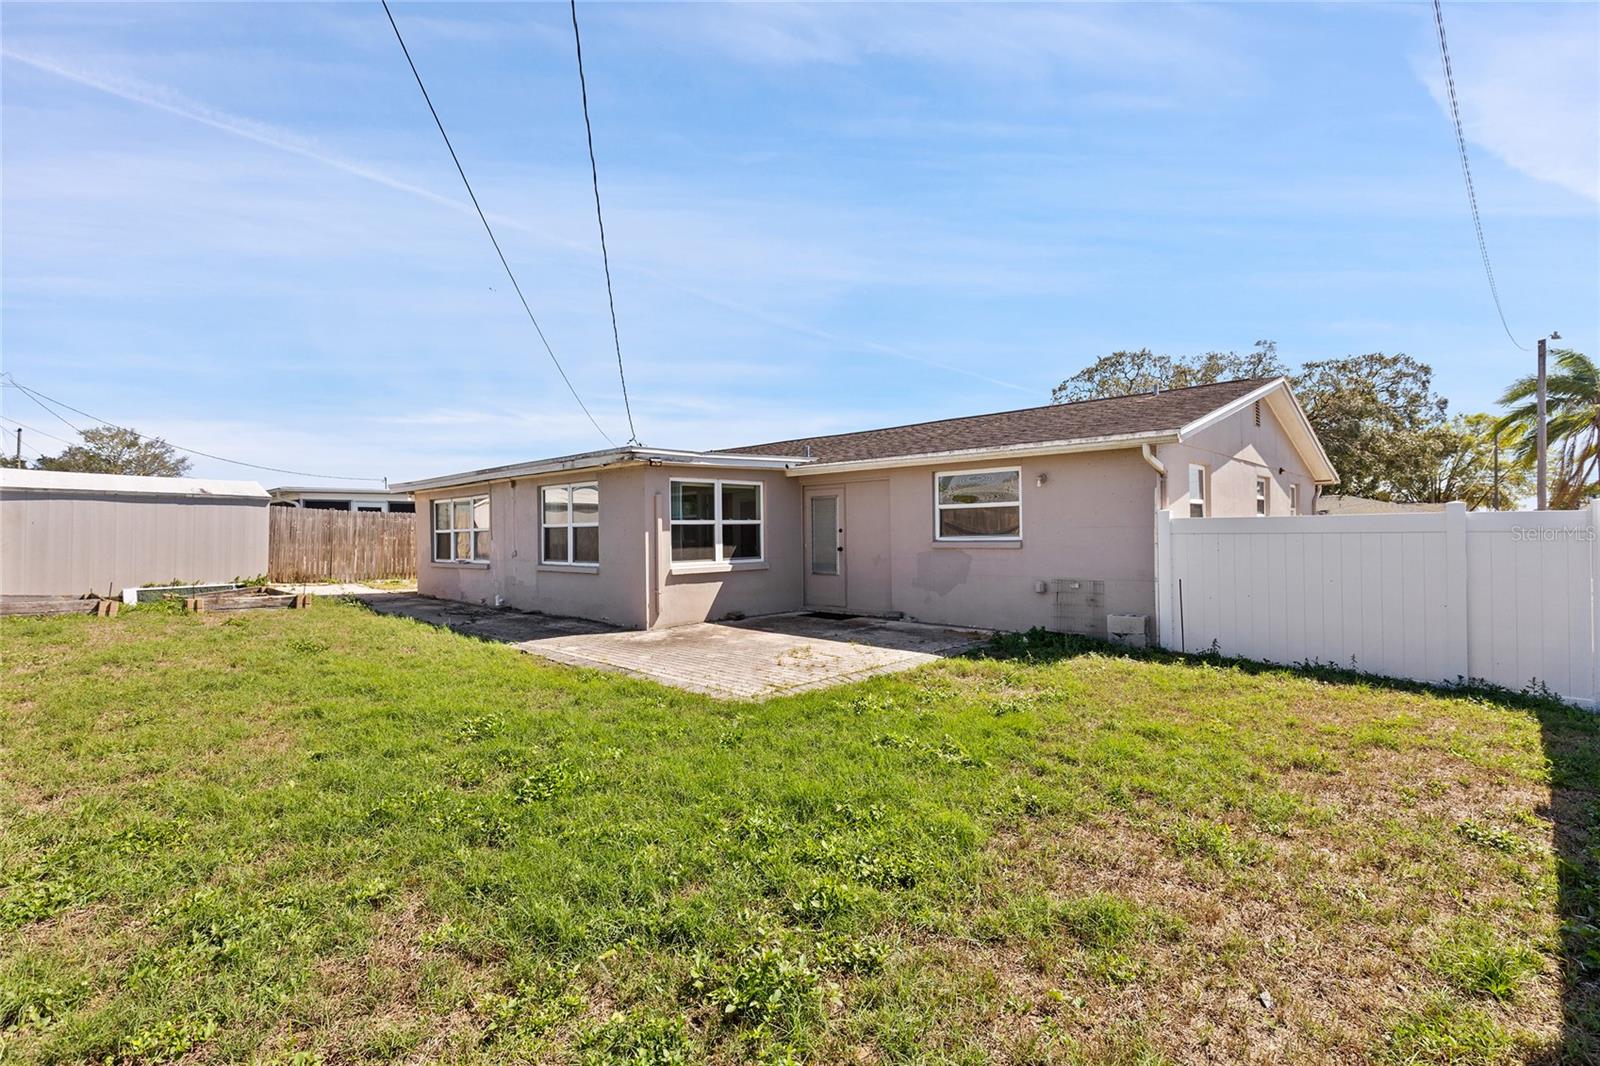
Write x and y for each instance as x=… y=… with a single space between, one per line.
x=1504 y=597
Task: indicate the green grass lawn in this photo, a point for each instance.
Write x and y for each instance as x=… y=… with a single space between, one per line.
x=324 y=835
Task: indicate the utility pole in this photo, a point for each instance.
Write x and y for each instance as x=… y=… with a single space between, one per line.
x=1497 y=470
x=1540 y=434
x=19 y=446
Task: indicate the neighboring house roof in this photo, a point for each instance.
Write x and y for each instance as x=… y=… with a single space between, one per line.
x=1335 y=504
x=1118 y=416
x=324 y=490
x=126 y=484
x=1116 y=422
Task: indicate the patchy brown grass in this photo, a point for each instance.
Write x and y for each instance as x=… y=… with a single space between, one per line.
x=347 y=838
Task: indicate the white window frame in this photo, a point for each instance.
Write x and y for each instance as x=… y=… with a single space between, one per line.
x=473 y=529
x=716 y=522
x=1294 y=498
x=1203 y=501
x=940 y=507
x=569 y=525
x=1263 y=496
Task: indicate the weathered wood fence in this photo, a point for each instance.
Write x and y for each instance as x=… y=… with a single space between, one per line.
x=305 y=544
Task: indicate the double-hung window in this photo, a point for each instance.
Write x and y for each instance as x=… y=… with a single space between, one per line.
x=1197 y=491
x=461 y=530
x=716 y=521
x=1262 y=488
x=978 y=505
x=569 y=524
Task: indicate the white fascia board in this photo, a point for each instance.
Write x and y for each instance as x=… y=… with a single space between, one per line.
x=596 y=461
x=1014 y=451
x=1293 y=417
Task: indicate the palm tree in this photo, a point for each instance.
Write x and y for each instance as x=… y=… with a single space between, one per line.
x=1572 y=405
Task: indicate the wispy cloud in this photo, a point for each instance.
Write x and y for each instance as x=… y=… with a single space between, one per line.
x=669 y=242
x=992 y=40
x=1528 y=86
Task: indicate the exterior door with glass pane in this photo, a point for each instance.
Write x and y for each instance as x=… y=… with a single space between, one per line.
x=825 y=556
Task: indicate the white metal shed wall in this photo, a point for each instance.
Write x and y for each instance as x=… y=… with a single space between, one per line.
x=68 y=534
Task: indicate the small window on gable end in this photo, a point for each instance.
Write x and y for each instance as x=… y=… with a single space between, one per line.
x=1197 y=491
x=1262 y=488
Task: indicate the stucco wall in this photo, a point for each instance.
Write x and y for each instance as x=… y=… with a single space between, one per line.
x=1092 y=519
x=614 y=591
x=695 y=593
x=70 y=543
x=635 y=584
x=1235 y=452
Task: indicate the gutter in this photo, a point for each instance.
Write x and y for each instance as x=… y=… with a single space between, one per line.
x=1018 y=451
x=598 y=461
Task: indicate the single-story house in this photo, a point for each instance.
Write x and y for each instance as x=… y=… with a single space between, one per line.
x=66 y=534
x=982 y=521
x=319 y=498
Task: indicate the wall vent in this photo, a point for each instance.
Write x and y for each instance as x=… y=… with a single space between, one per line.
x=1258 y=412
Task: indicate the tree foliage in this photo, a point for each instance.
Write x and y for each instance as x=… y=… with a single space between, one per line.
x=1572 y=411
x=114 y=450
x=1124 y=373
x=1379 y=420
x=1382 y=424
x=1456 y=461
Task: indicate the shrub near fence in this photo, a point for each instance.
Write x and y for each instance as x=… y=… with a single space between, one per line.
x=316 y=545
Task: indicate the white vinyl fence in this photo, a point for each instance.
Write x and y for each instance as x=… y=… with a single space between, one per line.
x=1505 y=597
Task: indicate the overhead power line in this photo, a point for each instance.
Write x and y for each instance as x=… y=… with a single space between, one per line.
x=36 y=432
x=1466 y=172
x=53 y=414
x=37 y=396
x=485 y=220
x=605 y=258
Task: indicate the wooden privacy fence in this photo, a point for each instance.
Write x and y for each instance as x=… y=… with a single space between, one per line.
x=304 y=544
x=1511 y=598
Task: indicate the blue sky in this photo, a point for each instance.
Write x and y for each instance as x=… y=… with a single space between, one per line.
x=236 y=226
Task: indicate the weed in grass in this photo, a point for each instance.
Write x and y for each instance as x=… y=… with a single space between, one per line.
x=822 y=900
x=850 y=955
x=639 y=1038
x=1445 y=1032
x=1473 y=959
x=38 y=896
x=480 y=726
x=765 y=987
x=169 y=1039
x=1215 y=841
x=1488 y=836
x=547 y=782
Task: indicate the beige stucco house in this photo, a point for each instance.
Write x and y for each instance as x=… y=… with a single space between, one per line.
x=989 y=521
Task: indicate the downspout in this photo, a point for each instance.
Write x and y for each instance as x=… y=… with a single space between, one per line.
x=1148 y=453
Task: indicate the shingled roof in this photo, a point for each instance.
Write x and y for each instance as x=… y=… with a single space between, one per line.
x=1116 y=416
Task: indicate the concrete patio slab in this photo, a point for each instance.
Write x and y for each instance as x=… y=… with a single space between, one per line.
x=486 y=623
x=752 y=659
x=762 y=657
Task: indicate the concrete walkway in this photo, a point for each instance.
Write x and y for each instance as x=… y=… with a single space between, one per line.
x=753 y=659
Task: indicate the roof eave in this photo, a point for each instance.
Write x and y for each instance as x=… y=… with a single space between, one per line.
x=598 y=461
x=1010 y=451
